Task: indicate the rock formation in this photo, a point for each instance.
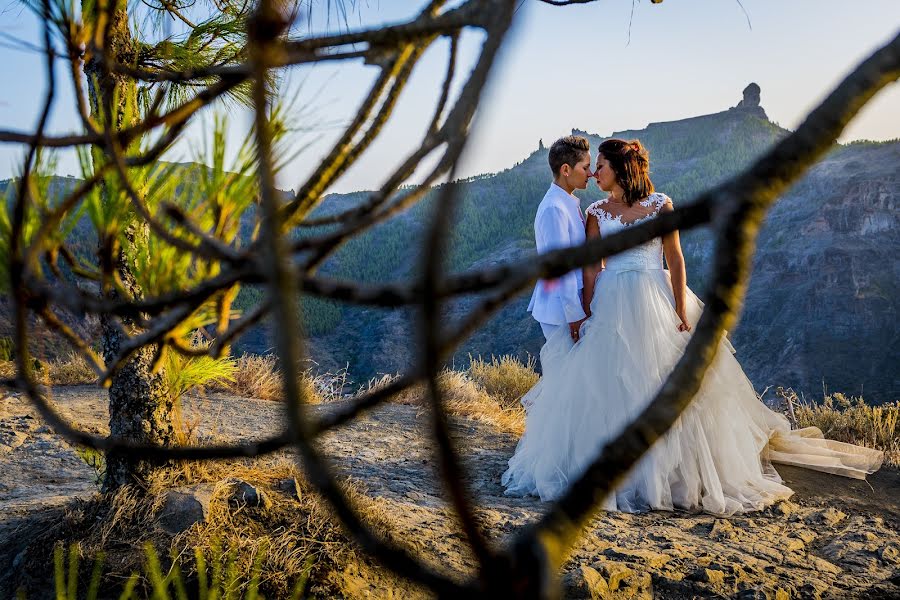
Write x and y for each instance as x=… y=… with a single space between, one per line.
x=750 y=102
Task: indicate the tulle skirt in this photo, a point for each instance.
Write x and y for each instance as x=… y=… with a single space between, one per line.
x=716 y=457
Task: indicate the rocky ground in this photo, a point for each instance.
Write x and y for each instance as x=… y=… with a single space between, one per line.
x=837 y=538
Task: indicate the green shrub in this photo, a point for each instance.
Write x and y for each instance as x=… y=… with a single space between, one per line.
x=218 y=577
x=7 y=348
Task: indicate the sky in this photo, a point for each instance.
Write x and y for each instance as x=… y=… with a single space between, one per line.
x=602 y=67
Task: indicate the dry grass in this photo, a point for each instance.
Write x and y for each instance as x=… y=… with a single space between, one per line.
x=292 y=535
x=331 y=387
x=851 y=420
x=40 y=370
x=465 y=398
x=505 y=378
x=7 y=369
x=295 y=537
x=71 y=370
x=488 y=391
x=292 y=538
x=257 y=376
x=412 y=395
x=462 y=397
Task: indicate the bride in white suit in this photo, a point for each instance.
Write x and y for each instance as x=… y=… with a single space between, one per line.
x=718 y=455
x=559 y=223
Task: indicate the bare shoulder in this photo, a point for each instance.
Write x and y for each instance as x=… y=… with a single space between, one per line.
x=665 y=204
x=592 y=225
x=596 y=208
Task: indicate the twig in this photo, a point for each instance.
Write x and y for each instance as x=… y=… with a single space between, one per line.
x=263 y=28
x=744 y=202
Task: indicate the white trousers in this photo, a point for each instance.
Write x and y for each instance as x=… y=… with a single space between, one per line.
x=548 y=329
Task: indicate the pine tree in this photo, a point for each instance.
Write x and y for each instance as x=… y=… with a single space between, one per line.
x=140 y=402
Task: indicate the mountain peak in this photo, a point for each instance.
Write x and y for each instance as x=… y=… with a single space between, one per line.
x=750 y=102
x=748 y=106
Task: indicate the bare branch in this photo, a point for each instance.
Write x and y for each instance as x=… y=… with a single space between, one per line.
x=76 y=300
x=265 y=25
x=342 y=155
x=178 y=116
x=445 y=90
x=473 y=13
x=365 y=402
x=742 y=206
x=203 y=249
x=285 y=266
x=453 y=476
x=52 y=221
x=17 y=265
x=54 y=322
x=451 y=470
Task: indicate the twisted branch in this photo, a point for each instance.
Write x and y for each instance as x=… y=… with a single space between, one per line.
x=285 y=266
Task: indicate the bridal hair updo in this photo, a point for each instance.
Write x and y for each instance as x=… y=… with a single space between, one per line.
x=568 y=150
x=630 y=161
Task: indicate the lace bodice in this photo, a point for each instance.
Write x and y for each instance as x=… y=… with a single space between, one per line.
x=643 y=257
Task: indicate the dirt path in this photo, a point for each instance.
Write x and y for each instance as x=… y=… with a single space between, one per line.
x=837 y=538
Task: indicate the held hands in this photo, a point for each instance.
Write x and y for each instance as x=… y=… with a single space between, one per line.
x=682 y=314
x=574 y=329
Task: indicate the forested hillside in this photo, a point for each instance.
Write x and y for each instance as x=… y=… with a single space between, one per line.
x=824 y=284
x=822 y=304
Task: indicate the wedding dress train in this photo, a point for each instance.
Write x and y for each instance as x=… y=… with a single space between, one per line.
x=716 y=457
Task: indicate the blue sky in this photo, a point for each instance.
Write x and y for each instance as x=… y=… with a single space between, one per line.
x=561 y=68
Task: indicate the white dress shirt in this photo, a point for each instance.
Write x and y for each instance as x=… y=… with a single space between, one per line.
x=559 y=223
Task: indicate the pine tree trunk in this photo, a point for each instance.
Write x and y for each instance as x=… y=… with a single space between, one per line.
x=140 y=408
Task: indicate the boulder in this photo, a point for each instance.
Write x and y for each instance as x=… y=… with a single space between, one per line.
x=291 y=487
x=245 y=494
x=614 y=573
x=185 y=506
x=596 y=585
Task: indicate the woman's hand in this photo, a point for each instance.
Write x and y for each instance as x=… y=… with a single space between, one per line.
x=682 y=314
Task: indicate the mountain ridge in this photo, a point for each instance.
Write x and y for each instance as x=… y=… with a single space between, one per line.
x=689 y=156
x=822 y=301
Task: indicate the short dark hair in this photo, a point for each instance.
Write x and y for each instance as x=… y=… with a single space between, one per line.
x=630 y=161
x=568 y=151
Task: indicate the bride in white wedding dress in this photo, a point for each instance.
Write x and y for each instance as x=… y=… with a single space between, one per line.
x=717 y=456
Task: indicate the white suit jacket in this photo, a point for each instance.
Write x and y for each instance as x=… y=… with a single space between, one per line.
x=558 y=224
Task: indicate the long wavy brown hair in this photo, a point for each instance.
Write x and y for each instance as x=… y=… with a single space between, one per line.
x=630 y=161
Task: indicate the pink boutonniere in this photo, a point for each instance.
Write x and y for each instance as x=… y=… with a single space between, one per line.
x=548 y=285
